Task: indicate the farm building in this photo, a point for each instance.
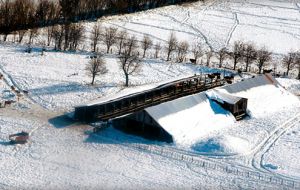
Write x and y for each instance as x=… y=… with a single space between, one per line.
x=187 y=119
x=135 y=102
x=236 y=105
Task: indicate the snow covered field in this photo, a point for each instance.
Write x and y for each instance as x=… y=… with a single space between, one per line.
x=60 y=157
x=270 y=23
x=219 y=23
x=260 y=152
x=60 y=81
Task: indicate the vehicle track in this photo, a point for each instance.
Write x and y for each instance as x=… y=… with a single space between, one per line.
x=257 y=160
x=210 y=164
x=235 y=25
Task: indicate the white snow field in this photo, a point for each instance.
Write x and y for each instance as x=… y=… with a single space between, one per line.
x=218 y=23
x=211 y=149
x=60 y=157
x=59 y=81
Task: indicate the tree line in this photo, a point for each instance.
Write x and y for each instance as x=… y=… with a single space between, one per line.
x=27 y=14
x=131 y=50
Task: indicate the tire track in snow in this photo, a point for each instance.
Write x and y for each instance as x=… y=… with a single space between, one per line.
x=298 y=6
x=10 y=81
x=257 y=160
x=191 y=26
x=236 y=23
x=258 y=177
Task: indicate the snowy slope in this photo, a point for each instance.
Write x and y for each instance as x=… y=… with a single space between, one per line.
x=217 y=24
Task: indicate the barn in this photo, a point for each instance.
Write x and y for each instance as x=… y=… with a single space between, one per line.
x=185 y=120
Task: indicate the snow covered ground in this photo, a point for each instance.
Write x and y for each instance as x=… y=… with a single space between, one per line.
x=64 y=155
x=257 y=153
x=219 y=23
x=60 y=81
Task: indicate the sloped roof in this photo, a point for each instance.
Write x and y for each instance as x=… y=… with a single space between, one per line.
x=222 y=97
x=190 y=118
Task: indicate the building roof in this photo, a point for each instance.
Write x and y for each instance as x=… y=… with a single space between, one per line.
x=222 y=97
x=193 y=117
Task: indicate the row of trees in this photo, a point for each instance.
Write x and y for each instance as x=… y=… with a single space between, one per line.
x=25 y=14
x=247 y=54
x=131 y=50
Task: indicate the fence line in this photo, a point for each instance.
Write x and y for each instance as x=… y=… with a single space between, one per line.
x=219 y=167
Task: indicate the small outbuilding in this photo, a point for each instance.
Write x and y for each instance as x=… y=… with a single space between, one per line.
x=236 y=105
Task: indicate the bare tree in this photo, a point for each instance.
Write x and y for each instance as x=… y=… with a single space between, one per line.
x=237 y=53
x=110 y=37
x=197 y=51
x=129 y=59
x=6 y=17
x=122 y=36
x=95 y=36
x=297 y=63
x=209 y=55
x=96 y=67
x=58 y=33
x=42 y=11
x=146 y=44
x=50 y=32
x=21 y=34
x=222 y=54
x=263 y=57
x=182 y=50
x=289 y=61
x=76 y=35
x=250 y=55
x=157 y=48
x=171 y=45
x=33 y=33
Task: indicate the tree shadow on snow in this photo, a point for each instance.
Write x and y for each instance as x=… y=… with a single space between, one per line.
x=68 y=88
x=62 y=121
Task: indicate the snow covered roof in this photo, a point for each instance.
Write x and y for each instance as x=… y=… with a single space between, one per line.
x=188 y=118
x=222 y=97
x=191 y=118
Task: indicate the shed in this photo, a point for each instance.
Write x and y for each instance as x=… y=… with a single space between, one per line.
x=236 y=105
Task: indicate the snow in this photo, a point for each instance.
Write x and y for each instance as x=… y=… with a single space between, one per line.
x=208 y=128
x=221 y=97
x=199 y=117
x=259 y=152
x=275 y=156
x=219 y=23
x=59 y=80
x=292 y=85
x=58 y=157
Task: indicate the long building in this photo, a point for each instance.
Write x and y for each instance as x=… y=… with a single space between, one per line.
x=188 y=118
